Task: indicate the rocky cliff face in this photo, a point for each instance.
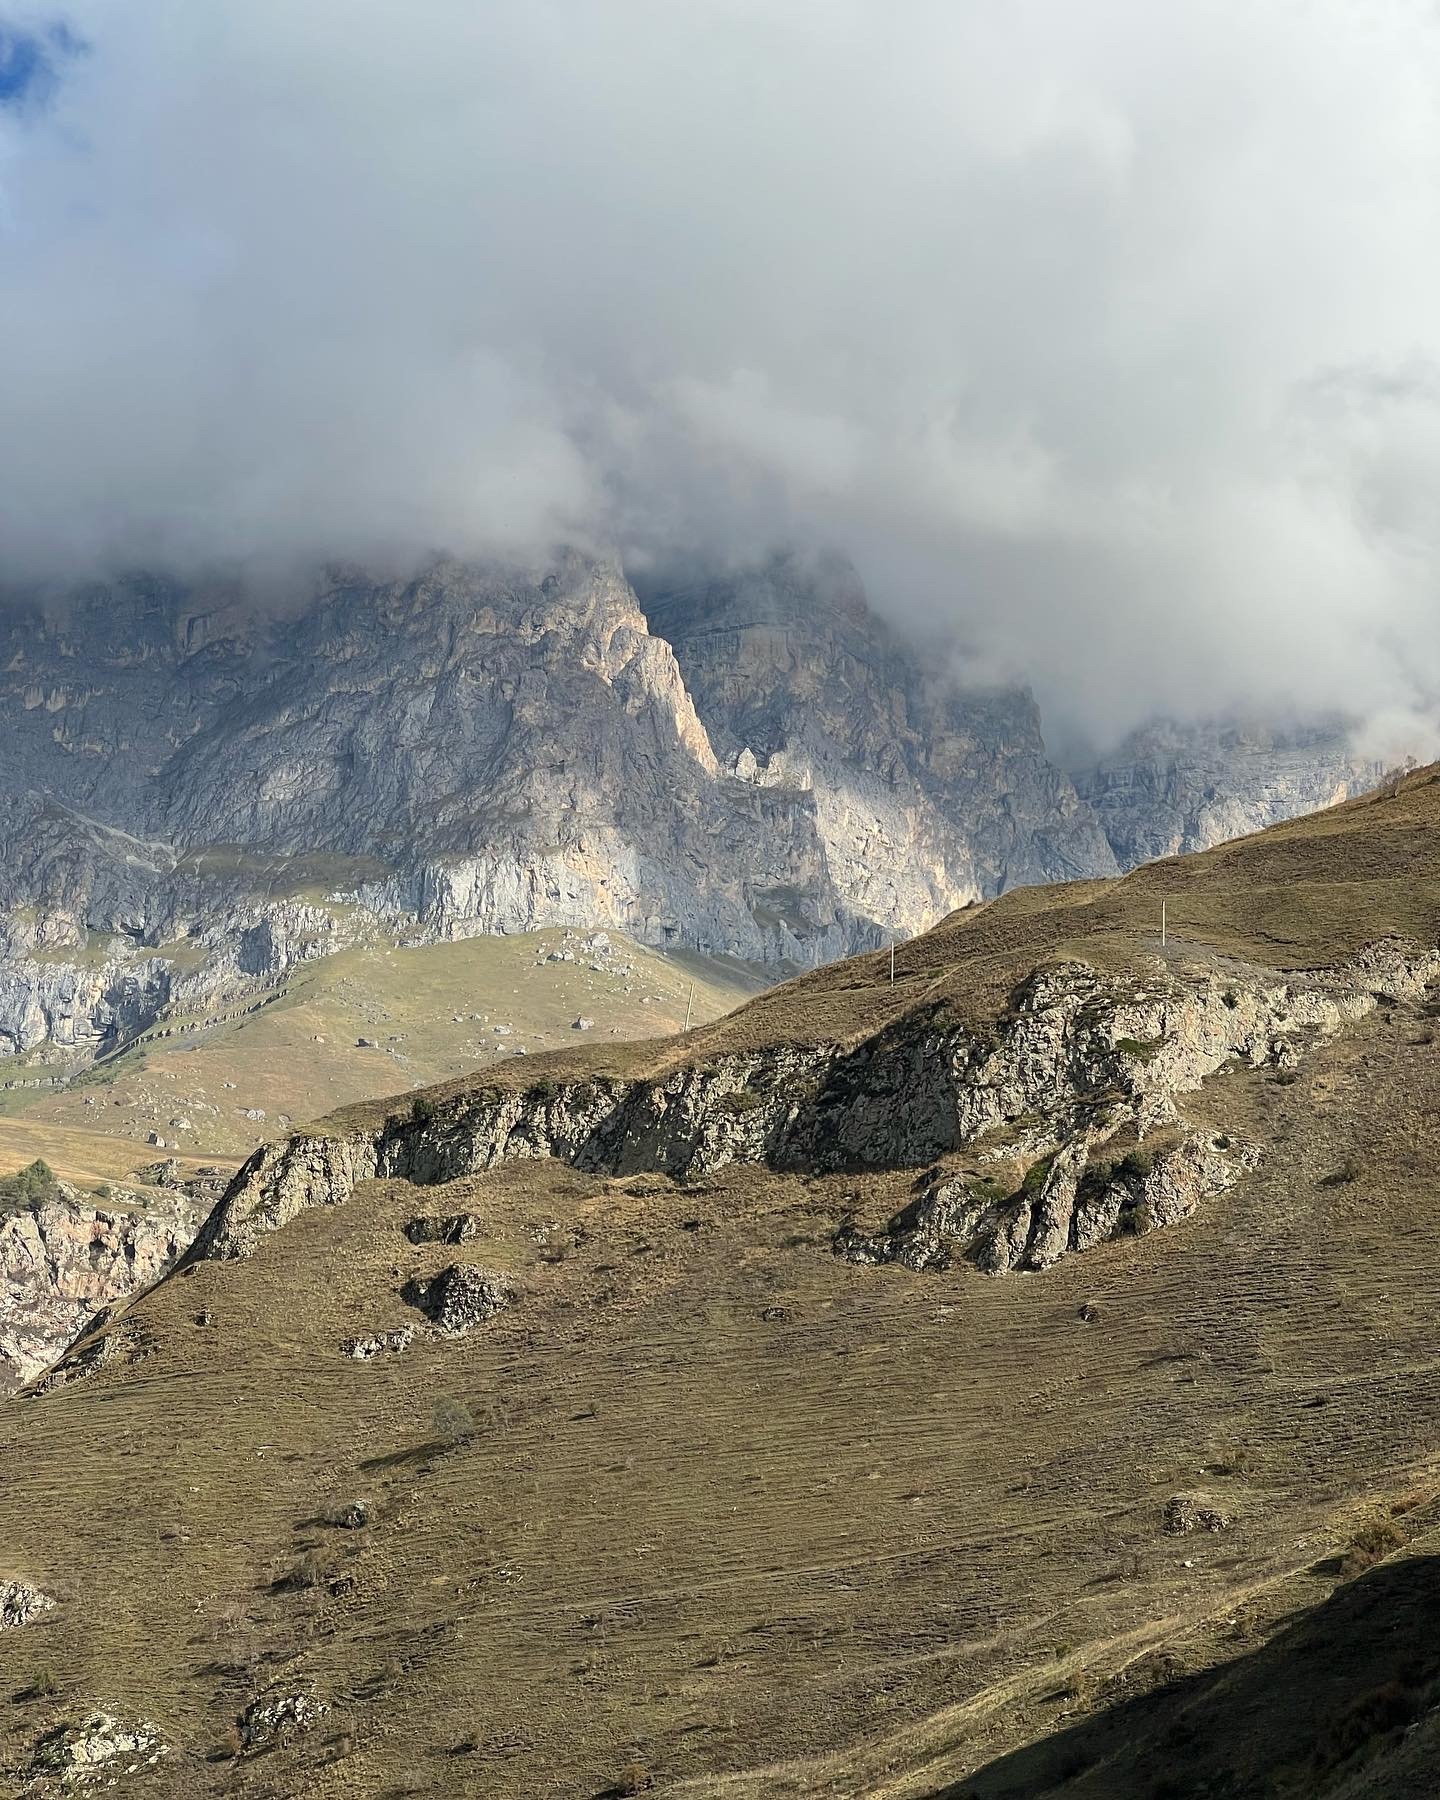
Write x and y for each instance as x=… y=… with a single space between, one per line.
x=64 y=1259
x=1057 y=1101
x=1169 y=790
x=198 y=794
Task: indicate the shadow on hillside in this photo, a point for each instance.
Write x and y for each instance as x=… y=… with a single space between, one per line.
x=1334 y=1691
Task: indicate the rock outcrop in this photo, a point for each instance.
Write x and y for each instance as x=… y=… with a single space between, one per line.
x=1081 y=1060
x=64 y=1259
x=21 y=1604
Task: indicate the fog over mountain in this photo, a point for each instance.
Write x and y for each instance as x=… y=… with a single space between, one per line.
x=1102 y=336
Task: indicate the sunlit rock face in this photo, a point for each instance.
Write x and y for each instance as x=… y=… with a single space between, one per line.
x=202 y=790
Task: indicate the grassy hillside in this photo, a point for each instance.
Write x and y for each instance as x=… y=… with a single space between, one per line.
x=430 y=1013
x=710 y=1511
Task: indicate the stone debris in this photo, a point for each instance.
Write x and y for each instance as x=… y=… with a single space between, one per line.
x=361 y=1349
x=1185 y=1513
x=21 y=1604
x=98 y=1751
x=460 y=1297
x=276 y=1718
x=583 y=1024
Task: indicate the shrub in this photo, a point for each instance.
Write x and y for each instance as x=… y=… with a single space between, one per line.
x=1035 y=1175
x=422 y=1110
x=635 y=1778
x=1348 y=1171
x=1137 y=1164
x=453 y=1420
x=311 y=1569
x=1140 y=1052
x=28 y=1187
x=1370 y=1545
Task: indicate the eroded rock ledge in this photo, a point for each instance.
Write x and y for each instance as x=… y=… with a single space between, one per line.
x=1080 y=1058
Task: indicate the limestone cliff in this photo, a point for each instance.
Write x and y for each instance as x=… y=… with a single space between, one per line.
x=65 y=1258
x=200 y=791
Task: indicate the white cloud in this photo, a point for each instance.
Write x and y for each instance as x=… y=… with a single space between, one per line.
x=1100 y=331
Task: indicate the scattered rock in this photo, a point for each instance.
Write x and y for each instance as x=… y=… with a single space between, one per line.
x=459 y=1297
x=361 y=1349
x=1185 y=1513
x=354 y=1515
x=254 y=1112
x=583 y=1024
x=364 y=1043
x=20 y=1604
x=156 y=1140
x=276 y=1718
x=98 y=1750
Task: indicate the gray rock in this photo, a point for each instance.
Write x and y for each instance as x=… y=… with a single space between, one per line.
x=460 y=1297
x=21 y=1604
x=63 y=1260
x=362 y=1349
x=276 y=1718
x=98 y=1750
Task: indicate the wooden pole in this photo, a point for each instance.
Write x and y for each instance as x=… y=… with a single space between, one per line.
x=1162 y=924
x=689 y=1004
x=892 y=962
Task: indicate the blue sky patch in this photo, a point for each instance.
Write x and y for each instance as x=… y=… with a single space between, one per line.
x=30 y=62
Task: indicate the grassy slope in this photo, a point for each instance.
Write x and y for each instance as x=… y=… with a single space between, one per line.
x=406 y=1000
x=763 y=1521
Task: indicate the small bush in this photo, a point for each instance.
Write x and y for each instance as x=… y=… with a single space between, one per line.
x=635 y=1779
x=1349 y=1171
x=746 y=1100
x=1285 y=1077
x=422 y=1110
x=1137 y=1164
x=1035 y=1175
x=1138 y=1051
x=453 y=1420
x=1370 y=1545
x=1230 y=998
x=311 y=1569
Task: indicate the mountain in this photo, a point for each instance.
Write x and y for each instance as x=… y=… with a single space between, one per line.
x=1169 y=789
x=203 y=792
x=1013 y=1378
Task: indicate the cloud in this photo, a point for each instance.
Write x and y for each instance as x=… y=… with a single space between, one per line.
x=1102 y=334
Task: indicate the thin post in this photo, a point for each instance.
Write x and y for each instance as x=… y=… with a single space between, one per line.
x=1162 y=924
x=689 y=1004
x=892 y=962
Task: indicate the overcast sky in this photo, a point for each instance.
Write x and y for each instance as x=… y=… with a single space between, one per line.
x=1102 y=333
